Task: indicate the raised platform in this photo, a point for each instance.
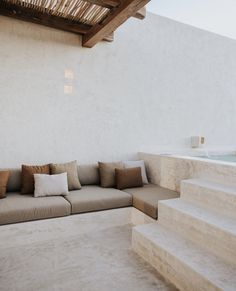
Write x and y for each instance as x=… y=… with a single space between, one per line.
x=194 y=242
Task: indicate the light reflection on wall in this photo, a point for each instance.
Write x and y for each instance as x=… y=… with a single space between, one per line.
x=68 y=89
x=69 y=80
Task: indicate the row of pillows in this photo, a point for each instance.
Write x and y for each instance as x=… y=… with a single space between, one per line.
x=37 y=179
x=112 y=173
x=28 y=179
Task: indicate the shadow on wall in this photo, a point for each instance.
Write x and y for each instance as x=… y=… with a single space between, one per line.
x=26 y=31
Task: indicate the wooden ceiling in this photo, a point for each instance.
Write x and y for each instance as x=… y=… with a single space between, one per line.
x=95 y=20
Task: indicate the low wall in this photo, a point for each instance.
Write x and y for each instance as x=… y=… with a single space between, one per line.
x=168 y=171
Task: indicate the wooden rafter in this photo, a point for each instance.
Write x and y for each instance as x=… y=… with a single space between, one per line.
x=127 y=9
x=105 y=3
x=141 y=14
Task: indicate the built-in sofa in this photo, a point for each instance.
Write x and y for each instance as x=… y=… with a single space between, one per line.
x=17 y=207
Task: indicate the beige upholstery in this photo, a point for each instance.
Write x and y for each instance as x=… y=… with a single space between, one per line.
x=89 y=174
x=146 y=198
x=17 y=208
x=107 y=173
x=93 y=198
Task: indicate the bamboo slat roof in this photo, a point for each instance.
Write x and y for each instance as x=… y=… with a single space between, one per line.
x=95 y=20
x=76 y=10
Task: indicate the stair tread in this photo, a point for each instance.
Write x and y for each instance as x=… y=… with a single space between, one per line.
x=215 y=270
x=226 y=223
x=212 y=185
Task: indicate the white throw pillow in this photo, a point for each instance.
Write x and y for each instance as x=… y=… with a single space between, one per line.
x=134 y=164
x=50 y=185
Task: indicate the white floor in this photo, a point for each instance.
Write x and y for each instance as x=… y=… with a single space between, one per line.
x=80 y=252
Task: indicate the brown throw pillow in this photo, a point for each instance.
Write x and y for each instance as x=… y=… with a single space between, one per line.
x=107 y=173
x=4 y=175
x=128 y=178
x=72 y=173
x=27 y=177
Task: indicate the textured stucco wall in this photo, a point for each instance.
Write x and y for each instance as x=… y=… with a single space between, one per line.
x=157 y=84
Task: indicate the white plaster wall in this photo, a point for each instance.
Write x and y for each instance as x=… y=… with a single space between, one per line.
x=157 y=84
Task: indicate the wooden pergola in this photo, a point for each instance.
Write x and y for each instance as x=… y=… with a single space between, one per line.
x=95 y=20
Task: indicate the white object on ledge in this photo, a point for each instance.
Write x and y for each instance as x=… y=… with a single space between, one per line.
x=197 y=141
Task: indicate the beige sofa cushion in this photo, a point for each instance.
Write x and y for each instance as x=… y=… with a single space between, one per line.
x=17 y=208
x=89 y=174
x=72 y=173
x=146 y=198
x=107 y=173
x=93 y=198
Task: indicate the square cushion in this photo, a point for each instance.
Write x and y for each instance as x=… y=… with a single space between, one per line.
x=93 y=198
x=27 y=177
x=146 y=198
x=18 y=208
x=141 y=164
x=4 y=176
x=72 y=173
x=107 y=173
x=89 y=174
x=50 y=185
x=128 y=178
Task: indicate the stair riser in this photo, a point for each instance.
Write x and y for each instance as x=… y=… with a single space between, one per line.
x=218 y=200
x=211 y=238
x=178 y=273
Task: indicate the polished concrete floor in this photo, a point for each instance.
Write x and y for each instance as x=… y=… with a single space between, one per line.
x=55 y=254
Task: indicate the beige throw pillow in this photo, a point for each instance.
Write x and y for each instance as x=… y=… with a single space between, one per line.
x=107 y=173
x=72 y=173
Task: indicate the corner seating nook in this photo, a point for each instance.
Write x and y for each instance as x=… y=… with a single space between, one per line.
x=19 y=208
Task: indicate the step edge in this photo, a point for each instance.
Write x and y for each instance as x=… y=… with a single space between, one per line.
x=186 y=263
x=211 y=186
x=167 y=203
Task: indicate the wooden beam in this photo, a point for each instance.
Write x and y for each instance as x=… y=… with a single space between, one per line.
x=105 y=3
x=141 y=14
x=31 y=15
x=118 y=16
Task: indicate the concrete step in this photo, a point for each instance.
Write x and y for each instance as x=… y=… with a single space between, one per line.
x=182 y=262
x=213 y=195
x=214 y=232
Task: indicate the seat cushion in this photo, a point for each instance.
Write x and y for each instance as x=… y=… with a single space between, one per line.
x=146 y=198
x=93 y=198
x=18 y=208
